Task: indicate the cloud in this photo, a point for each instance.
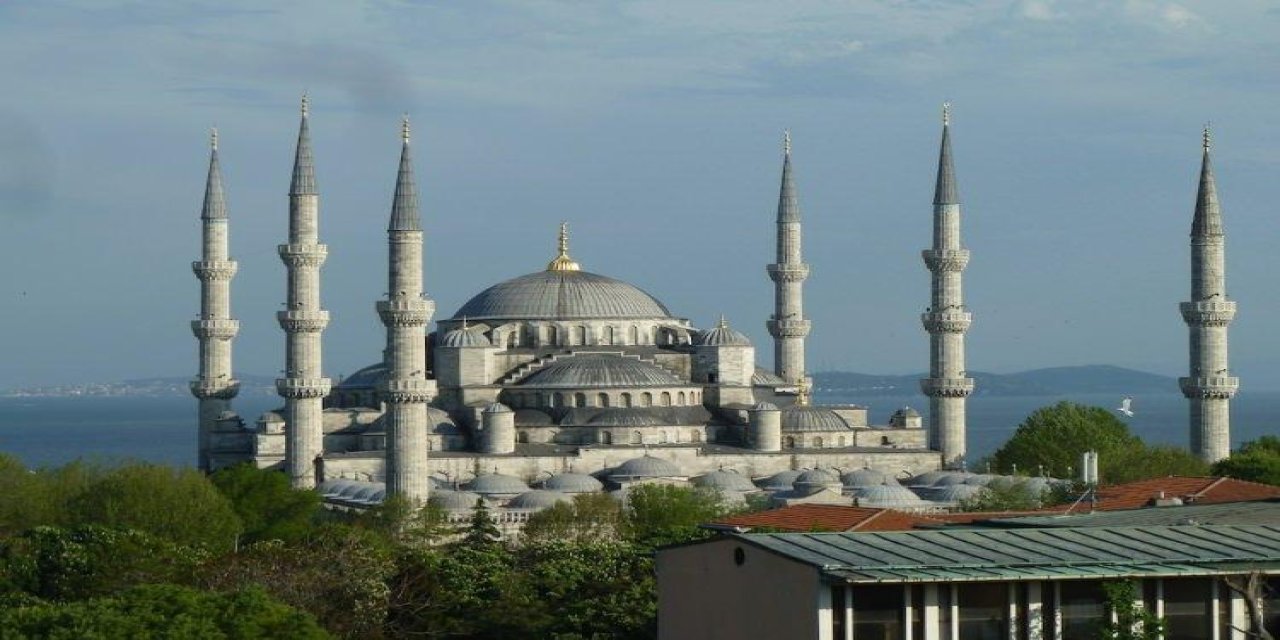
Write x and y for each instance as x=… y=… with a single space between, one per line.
x=26 y=168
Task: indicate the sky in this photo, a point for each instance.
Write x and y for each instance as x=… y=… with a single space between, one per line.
x=654 y=128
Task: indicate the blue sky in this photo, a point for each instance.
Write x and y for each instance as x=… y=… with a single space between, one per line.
x=654 y=129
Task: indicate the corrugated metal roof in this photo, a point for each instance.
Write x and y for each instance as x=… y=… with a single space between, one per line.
x=1265 y=512
x=978 y=554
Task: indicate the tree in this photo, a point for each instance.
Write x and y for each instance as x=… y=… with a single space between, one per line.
x=162 y=611
x=482 y=530
x=1006 y=496
x=267 y=506
x=591 y=517
x=1150 y=461
x=661 y=514
x=1129 y=620
x=35 y=497
x=1256 y=461
x=1053 y=438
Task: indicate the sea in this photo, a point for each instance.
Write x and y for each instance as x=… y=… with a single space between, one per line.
x=50 y=431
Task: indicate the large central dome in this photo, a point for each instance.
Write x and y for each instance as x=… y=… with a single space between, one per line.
x=561 y=295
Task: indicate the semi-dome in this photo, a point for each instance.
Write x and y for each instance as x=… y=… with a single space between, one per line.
x=724 y=481
x=561 y=295
x=465 y=337
x=496 y=407
x=645 y=467
x=927 y=478
x=572 y=483
x=601 y=370
x=496 y=484
x=808 y=418
x=454 y=500
x=723 y=336
x=366 y=377
x=627 y=417
x=955 y=477
x=537 y=500
x=764 y=406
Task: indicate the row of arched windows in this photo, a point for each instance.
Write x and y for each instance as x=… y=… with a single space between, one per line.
x=532 y=400
x=577 y=335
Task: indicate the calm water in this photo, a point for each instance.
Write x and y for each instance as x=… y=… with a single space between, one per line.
x=50 y=431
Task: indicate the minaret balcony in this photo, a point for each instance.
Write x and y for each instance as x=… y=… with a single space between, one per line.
x=303 y=320
x=789 y=328
x=946 y=321
x=406 y=311
x=796 y=272
x=1208 y=313
x=303 y=255
x=215 y=269
x=946 y=387
x=1210 y=387
x=946 y=259
x=221 y=388
x=407 y=390
x=300 y=388
x=215 y=328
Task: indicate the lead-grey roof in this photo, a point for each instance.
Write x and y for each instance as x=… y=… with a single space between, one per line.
x=601 y=370
x=1234 y=513
x=496 y=484
x=537 y=500
x=562 y=295
x=725 y=481
x=572 y=483
x=809 y=418
x=1208 y=216
x=404 y=206
x=945 y=191
x=469 y=337
x=788 y=204
x=722 y=335
x=304 y=170
x=215 y=204
x=762 y=376
x=645 y=466
x=627 y=417
x=978 y=554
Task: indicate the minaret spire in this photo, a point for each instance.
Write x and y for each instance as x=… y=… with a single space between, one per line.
x=948 y=385
x=788 y=325
x=303 y=385
x=1209 y=386
x=405 y=313
x=215 y=329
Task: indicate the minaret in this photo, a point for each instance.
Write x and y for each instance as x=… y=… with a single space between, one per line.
x=303 y=385
x=215 y=329
x=788 y=326
x=1210 y=386
x=405 y=313
x=947 y=319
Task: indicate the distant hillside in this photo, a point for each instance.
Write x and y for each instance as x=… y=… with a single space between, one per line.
x=1037 y=382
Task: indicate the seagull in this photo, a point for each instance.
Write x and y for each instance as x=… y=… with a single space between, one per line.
x=1126 y=406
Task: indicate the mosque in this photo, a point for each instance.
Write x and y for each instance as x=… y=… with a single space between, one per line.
x=562 y=378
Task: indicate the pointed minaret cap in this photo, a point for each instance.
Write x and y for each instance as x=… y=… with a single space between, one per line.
x=304 y=172
x=1208 y=217
x=788 y=204
x=404 y=208
x=945 y=190
x=215 y=205
x=562 y=261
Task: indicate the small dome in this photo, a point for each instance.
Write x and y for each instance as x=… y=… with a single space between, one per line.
x=957 y=492
x=808 y=418
x=780 y=481
x=724 y=481
x=887 y=496
x=537 y=500
x=722 y=336
x=367 y=377
x=765 y=406
x=627 y=417
x=465 y=338
x=954 y=477
x=497 y=407
x=601 y=370
x=907 y=412
x=572 y=483
x=814 y=479
x=865 y=478
x=454 y=500
x=496 y=484
x=927 y=478
x=980 y=479
x=645 y=466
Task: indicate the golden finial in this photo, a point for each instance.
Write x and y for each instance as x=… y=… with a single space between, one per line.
x=404 y=128
x=786 y=142
x=723 y=324
x=563 y=262
x=213 y=138
x=803 y=391
x=946 y=114
x=464 y=323
x=306 y=104
x=1208 y=140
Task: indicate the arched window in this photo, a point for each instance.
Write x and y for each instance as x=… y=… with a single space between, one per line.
x=553 y=337
x=636 y=438
x=634 y=336
x=606 y=437
x=789 y=442
x=607 y=337
x=579 y=399
x=695 y=436
x=602 y=399
x=626 y=399
x=513 y=338
x=817 y=442
x=665 y=399
x=680 y=399
x=578 y=335
x=662 y=437
x=557 y=400
x=646 y=399
x=885 y=441
x=522 y=438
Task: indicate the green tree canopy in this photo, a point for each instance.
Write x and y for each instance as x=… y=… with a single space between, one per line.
x=1256 y=461
x=267 y=506
x=591 y=517
x=661 y=514
x=1053 y=438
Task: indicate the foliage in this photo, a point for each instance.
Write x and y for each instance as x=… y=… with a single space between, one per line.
x=660 y=514
x=89 y=561
x=338 y=574
x=1006 y=496
x=267 y=506
x=176 y=504
x=35 y=497
x=161 y=611
x=1151 y=461
x=482 y=530
x=591 y=517
x=1130 y=620
x=1256 y=461
x=400 y=522
x=600 y=590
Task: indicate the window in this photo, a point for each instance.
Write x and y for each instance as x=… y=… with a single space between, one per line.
x=666 y=398
x=662 y=437
x=983 y=610
x=579 y=399
x=602 y=400
x=695 y=436
x=1186 y=609
x=607 y=337
x=817 y=442
x=522 y=438
x=1080 y=605
x=646 y=399
x=606 y=437
x=626 y=399
x=636 y=438
x=680 y=399
x=789 y=442
x=877 y=611
x=634 y=337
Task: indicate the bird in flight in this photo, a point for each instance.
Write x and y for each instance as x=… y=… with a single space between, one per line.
x=1126 y=406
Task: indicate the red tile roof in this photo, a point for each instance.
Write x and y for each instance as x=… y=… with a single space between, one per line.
x=826 y=517
x=1199 y=490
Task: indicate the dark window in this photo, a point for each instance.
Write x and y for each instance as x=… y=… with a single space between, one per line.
x=1186 y=609
x=1048 y=611
x=1082 y=608
x=983 y=611
x=837 y=611
x=877 y=612
x=944 y=611
x=1271 y=606
x=917 y=611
